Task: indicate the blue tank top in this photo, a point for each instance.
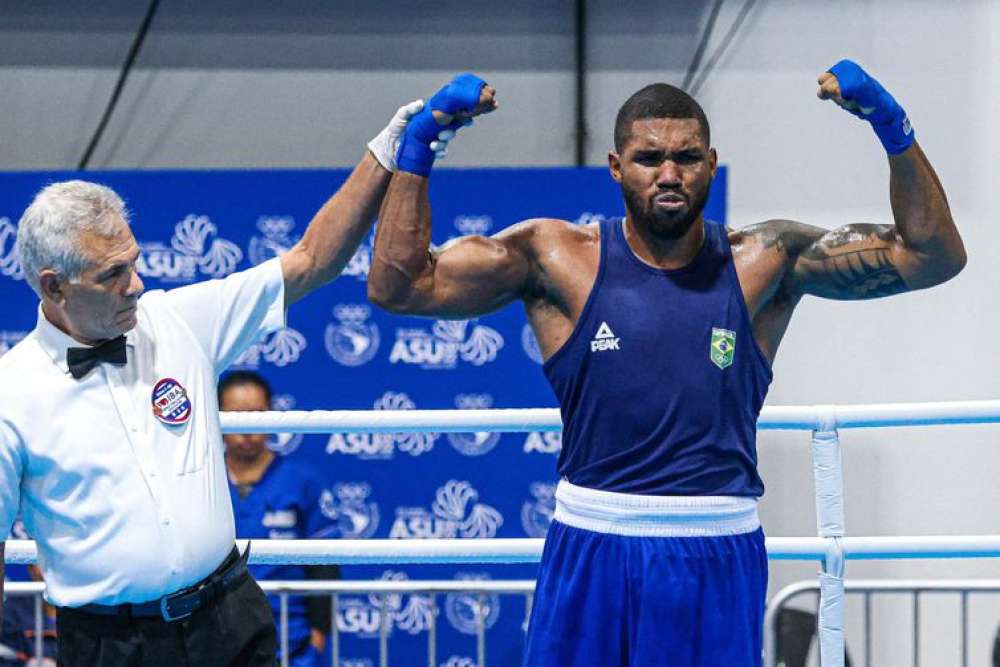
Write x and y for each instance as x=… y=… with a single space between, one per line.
x=661 y=382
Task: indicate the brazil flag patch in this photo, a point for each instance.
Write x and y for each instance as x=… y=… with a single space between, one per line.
x=722 y=348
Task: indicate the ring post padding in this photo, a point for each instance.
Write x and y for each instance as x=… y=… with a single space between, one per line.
x=829 y=478
x=831 y=620
x=828 y=473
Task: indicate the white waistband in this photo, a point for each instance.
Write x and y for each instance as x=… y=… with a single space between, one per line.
x=654 y=516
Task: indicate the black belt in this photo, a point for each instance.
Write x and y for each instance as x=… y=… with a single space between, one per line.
x=183 y=603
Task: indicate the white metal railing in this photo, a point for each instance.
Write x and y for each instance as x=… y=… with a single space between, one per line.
x=867 y=588
x=334 y=589
x=832 y=547
x=870 y=587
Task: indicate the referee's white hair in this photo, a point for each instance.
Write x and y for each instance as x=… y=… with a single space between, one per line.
x=49 y=231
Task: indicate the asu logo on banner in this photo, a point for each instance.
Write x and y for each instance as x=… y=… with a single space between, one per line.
x=445 y=344
x=10 y=266
x=352 y=340
x=469 y=225
x=363 y=615
x=543 y=442
x=723 y=347
x=284 y=444
x=468 y=612
x=529 y=343
x=459 y=661
x=383 y=445
x=195 y=251
x=536 y=514
x=275 y=239
x=347 y=505
x=360 y=263
x=281 y=348
x=455 y=512
x=479 y=443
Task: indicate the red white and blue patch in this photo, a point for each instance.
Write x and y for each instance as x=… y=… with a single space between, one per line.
x=171 y=404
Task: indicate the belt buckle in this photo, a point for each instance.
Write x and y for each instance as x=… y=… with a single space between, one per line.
x=186 y=610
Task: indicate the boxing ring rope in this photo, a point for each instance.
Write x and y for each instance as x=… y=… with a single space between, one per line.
x=831 y=547
x=772 y=418
x=529 y=550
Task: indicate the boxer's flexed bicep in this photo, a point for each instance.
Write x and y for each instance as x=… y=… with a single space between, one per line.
x=858 y=261
x=785 y=260
x=922 y=248
x=466 y=277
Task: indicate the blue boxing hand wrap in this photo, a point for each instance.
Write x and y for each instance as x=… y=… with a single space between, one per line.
x=875 y=105
x=415 y=154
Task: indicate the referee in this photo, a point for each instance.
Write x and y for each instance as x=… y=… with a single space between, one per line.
x=109 y=431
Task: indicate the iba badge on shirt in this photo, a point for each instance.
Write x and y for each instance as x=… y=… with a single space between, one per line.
x=171 y=404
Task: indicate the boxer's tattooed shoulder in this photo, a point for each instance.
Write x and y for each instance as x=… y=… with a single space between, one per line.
x=786 y=236
x=851 y=262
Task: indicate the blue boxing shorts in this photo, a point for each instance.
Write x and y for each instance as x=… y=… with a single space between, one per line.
x=629 y=580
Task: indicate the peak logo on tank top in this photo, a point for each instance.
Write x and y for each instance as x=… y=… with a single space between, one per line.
x=605 y=339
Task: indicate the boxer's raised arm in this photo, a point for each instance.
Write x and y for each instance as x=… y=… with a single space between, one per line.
x=862 y=261
x=923 y=248
x=467 y=277
x=470 y=276
x=335 y=231
x=341 y=223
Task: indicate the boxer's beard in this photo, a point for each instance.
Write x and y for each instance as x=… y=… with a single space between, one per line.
x=666 y=225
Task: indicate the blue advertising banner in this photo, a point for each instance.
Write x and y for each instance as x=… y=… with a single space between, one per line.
x=340 y=352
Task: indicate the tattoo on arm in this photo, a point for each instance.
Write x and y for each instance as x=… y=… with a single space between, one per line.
x=853 y=262
x=785 y=235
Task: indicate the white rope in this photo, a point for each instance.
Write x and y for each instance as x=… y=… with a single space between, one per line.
x=392 y=421
x=430 y=586
x=360 y=552
x=426 y=586
x=797 y=417
x=315 y=587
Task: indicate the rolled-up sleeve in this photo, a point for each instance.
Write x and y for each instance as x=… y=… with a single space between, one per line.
x=11 y=466
x=228 y=315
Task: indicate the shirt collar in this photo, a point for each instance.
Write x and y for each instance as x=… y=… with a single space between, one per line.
x=55 y=342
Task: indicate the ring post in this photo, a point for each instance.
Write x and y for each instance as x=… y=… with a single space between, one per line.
x=829 y=478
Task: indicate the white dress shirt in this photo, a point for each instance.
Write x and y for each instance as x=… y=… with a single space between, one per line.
x=124 y=507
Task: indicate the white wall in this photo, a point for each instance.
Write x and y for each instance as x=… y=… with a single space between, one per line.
x=792 y=156
x=244 y=84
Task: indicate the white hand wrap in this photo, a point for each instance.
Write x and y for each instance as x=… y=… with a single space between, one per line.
x=386 y=144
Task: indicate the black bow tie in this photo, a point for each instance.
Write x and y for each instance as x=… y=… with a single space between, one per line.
x=81 y=360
